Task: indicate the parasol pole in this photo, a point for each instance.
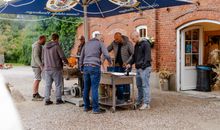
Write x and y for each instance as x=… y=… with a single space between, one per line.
x=85 y=21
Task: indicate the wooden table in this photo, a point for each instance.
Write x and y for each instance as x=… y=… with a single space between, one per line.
x=112 y=78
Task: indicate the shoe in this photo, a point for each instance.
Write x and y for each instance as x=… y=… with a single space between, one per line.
x=37 y=97
x=137 y=104
x=48 y=102
x=59 y=101
x=99 y=112
x=144 y=107
x=121 y=101
x=87 y=109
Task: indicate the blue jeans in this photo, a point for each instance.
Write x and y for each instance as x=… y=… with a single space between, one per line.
x=92 y=76
x=142 y=81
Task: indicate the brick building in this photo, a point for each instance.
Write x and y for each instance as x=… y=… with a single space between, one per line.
x=182 y=36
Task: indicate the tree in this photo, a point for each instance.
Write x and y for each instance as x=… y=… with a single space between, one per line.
x=17 y=37
x=66 y=30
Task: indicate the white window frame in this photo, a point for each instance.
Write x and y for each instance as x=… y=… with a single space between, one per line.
x=138 y=28
x=95 y=33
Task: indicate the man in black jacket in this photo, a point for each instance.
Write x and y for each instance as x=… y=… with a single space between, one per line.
x=142 y=61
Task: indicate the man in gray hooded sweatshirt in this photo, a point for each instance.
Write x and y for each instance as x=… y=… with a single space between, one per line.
x=53 y=57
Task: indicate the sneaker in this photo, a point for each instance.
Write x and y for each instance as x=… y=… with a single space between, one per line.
x=59 y=101
x=144 y=107
x=99 y=112
x=48 y=102
x=137 y=104
x=37 y=97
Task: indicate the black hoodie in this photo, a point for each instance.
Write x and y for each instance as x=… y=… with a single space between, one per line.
x=142 y=55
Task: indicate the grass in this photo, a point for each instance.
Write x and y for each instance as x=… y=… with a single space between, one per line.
x=16 y=64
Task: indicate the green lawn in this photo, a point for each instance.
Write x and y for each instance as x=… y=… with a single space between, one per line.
x=16 y=64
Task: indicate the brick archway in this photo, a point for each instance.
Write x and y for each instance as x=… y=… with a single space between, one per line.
x=183 y=19
x=178 y=46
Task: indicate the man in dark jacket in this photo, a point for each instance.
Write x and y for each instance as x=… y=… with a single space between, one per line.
x=53 y=56
x=123 y=51
x=142 y=61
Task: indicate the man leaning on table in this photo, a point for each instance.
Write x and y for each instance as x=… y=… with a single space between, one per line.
x=90 y=61
x=142 y=61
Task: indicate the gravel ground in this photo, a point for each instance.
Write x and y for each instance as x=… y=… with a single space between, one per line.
x=169 y=111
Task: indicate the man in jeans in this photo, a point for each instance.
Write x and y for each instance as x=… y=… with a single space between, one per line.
x=90 y=60
x=142 y=61
x=53 y=66
x=37 y=66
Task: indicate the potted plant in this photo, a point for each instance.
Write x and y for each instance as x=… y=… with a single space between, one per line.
x=214 y=59
x=164 y=76
x=216 y=86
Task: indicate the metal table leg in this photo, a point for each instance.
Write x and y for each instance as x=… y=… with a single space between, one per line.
x=113 y=97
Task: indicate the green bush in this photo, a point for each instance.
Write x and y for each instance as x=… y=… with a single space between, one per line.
x=16 y=38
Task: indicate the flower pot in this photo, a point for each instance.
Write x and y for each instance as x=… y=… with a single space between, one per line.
x=164 y=84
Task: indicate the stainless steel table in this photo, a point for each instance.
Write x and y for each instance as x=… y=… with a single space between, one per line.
x=112 y=78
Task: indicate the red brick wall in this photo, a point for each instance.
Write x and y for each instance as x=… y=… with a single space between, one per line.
x=162 y=25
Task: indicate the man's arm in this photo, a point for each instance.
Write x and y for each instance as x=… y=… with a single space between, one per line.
x=42 y=56
x=37 y=55
x=81 y=59
x=110 y=47
x=147 y=54
x=105 y=53
x=131 y=52
x=61 y=54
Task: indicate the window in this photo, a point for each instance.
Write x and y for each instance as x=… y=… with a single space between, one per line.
x=192 y=47
x=95 y=33
x=142 y=30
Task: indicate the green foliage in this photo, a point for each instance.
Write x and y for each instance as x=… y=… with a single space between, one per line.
x=16 y=38
x=67 y=31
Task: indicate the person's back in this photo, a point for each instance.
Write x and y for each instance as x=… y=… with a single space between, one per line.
x=53 y=56
x=90 y=60
x=92 y=53
x=53 y=65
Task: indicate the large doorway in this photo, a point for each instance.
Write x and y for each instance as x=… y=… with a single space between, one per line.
x=191 y=56
x=193 y=48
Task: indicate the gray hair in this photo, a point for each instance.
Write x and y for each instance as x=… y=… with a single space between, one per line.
x=100 y=37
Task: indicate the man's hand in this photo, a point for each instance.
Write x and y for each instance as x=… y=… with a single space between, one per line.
x=109 y=63
x=125 y=65
x=41 y=67
x=128 y=66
